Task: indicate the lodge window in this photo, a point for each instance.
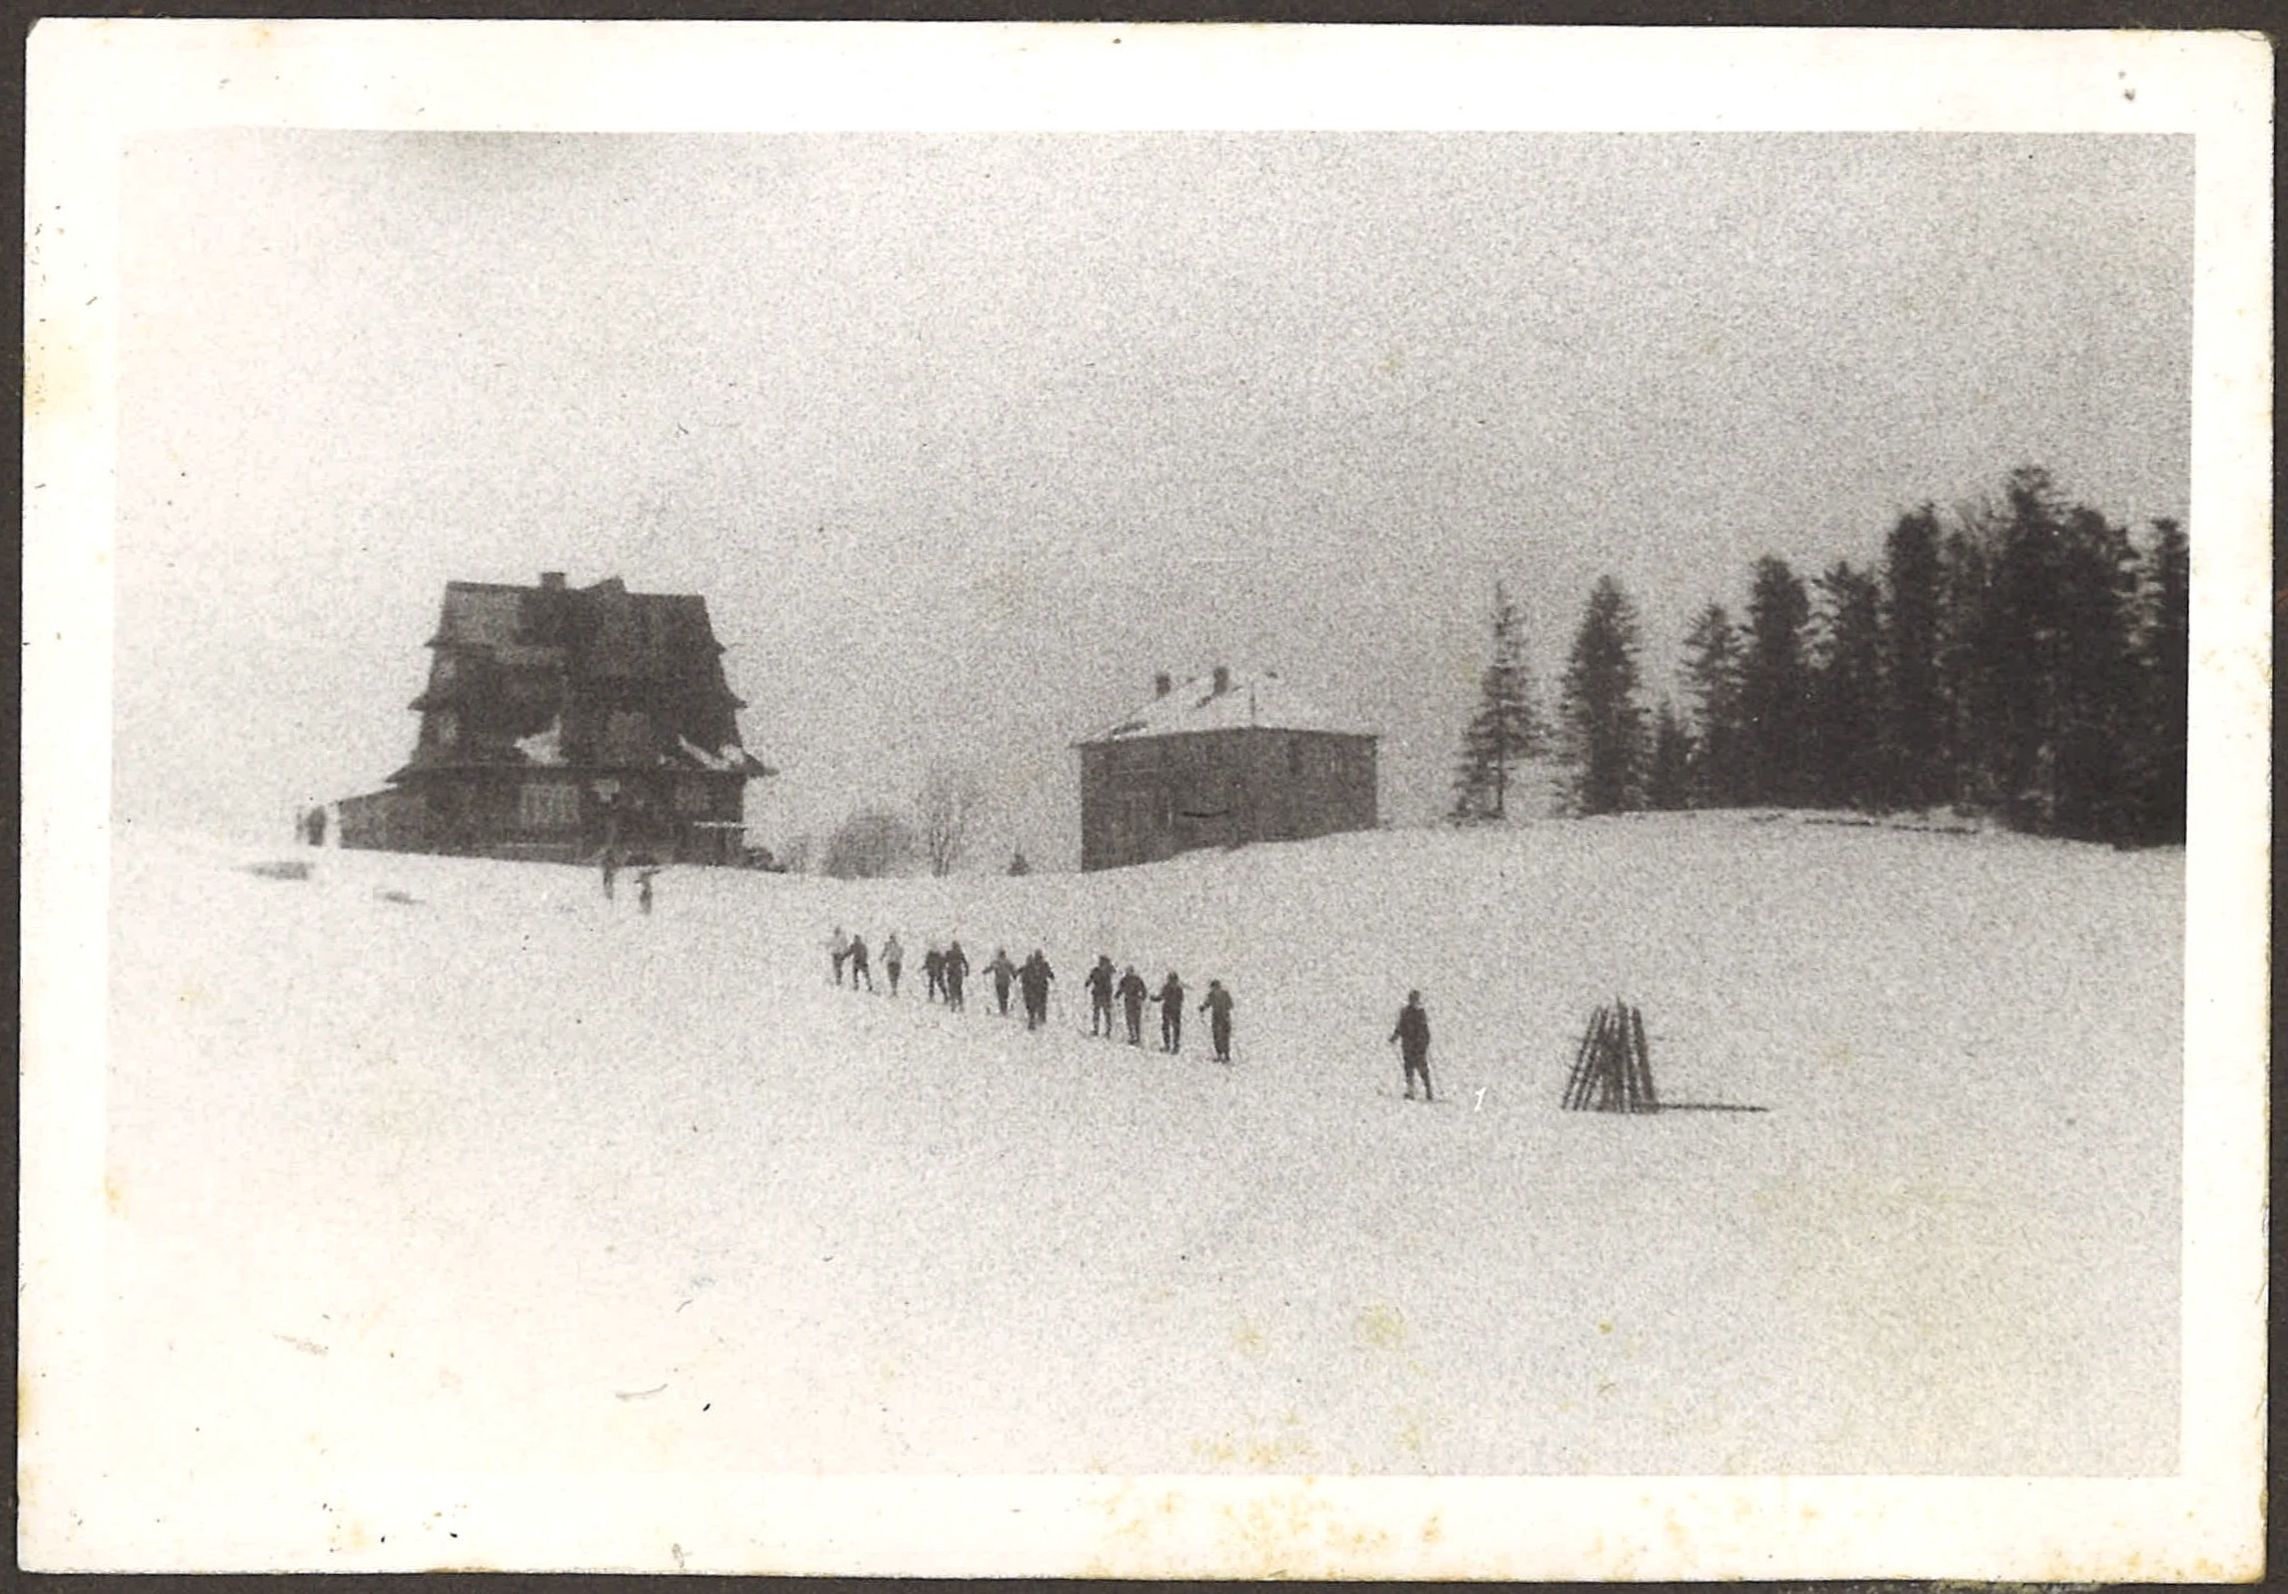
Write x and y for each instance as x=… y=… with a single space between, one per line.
x=691 y=797
x=547 y=805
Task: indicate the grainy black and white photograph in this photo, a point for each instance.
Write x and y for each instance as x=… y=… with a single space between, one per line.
x=1157 y=802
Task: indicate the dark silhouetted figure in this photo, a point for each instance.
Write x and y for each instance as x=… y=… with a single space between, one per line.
x=1132 y=993
x=839 y=948
x=611 y=869
x=1218 y=1009
x=893 y=959
x=1100 y=980
x=956 y=970
x=314 y=827
x=1003 y=971
x=643 y=890
x=1035 y=977
x=1171 y=1000
x=860 y=969
x=1413 y=1038
x=933 y=968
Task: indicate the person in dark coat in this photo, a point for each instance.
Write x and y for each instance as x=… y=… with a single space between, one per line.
x=860 y=969
x=1413 y=1038
x=1171 y=1000
x=1218 y=1009
x=643 y=889
x=611 y=869
x=839 y=949
x=893 y=959
x=956 y=970
x=933 y=968
x=1100 y=980
x=1035 y=976
x=1003 y=971
x=1132 y=993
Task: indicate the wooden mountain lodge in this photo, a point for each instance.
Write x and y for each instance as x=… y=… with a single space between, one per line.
x=559 y=721
x=1220 y=761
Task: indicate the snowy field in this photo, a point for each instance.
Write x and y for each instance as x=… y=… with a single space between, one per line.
x=505 y=1174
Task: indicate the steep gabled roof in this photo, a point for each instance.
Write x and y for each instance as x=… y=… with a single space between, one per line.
x=648 y=663
x=1263 y=700
x=481 y=614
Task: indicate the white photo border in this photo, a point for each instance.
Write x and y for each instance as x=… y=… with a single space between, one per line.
x=93 y=84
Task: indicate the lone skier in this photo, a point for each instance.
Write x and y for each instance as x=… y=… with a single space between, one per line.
x=1036 y=976
x=893 y=959
x=1218 y=1009
x=1413 y=1038
x=1132 y=994
x=859 y=968
x=956 y=970
x=1171 y=1000
x=1003 y=971
x=1100 y=980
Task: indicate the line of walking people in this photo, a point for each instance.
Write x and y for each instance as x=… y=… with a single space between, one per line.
x=947 y=973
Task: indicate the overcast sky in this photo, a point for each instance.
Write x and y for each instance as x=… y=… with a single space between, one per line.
x=962 y=438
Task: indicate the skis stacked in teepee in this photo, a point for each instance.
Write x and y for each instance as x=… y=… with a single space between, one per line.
x=1612 y=1071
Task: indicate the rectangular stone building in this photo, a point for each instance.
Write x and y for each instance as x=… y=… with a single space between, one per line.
x=1220 y=761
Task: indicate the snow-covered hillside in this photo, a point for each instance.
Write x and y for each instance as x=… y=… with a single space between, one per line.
x=503 y=1172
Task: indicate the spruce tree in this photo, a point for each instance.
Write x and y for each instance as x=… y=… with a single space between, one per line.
x=1712 y=670
x=2164 y=655
x=1845 y=753
x=2024 y=643
x=1604 y=724
x=2098 y=706
x=1775 y=686
x=1669 y=783
x=1970 y=692
x=1914 y=700
x=1507 y=726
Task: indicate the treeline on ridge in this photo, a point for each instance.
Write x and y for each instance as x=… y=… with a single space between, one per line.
x=2024 y=657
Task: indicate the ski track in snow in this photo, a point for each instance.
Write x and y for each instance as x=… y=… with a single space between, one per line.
x=511 y=1152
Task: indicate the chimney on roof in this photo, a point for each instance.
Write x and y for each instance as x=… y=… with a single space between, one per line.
x=1222 y=680
x=1162 y=685
x=552 y=581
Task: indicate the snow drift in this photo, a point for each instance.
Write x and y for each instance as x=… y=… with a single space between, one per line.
x=424 y=1162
